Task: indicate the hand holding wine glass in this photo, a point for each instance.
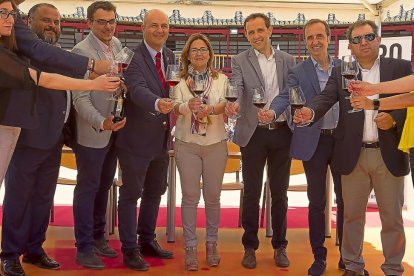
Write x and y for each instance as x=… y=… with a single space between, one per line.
x=172 y=76
x=198 y=85
x=259 y=98
x=350 y=70
x=231 y=94
x=297 y=101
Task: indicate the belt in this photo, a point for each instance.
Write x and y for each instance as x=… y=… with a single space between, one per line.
x=373 y=145
x=274 y=125
x=327 y=131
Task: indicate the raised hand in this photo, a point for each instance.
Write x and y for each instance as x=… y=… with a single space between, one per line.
x=165 y=105
x=266 y=116
x=105 y=83
x=362 y=102
x=303 y=115
x=362 y=88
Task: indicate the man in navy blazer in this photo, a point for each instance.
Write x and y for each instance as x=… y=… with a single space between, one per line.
x=314 y=145
x=366 y=152
x=143 y=143
x=31 y=178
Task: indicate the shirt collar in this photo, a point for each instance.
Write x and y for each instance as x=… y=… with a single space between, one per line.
x=271 y=55
x=152 y=51
x=105 y=48
x=317 y=65
x=375 y=65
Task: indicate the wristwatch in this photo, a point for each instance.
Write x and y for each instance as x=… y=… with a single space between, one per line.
x=376 y=103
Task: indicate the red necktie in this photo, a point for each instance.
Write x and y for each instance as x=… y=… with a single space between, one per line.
x=159 y=70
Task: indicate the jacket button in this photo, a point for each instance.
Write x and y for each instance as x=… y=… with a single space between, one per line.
x=164 y=123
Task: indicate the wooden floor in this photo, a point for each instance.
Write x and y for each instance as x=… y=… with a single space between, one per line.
x=60 y=245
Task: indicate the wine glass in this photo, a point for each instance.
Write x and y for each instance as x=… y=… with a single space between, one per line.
x=297 y=101
x=231 y=94
x=259 y=99
x=349 y=71
x=114 y=70
x=173 y=76
x=118 y=67
x=124 y=57
x=198 y=86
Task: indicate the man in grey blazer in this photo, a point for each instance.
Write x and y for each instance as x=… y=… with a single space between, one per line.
x=265 y=68
x=366 y=152
x=95 y=148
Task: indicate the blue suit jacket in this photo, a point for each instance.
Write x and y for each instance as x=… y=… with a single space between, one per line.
x=304 y=139
x=144 y=133
x=19 y=111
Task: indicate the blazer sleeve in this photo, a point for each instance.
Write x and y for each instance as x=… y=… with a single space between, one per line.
x=139 y=91
x=281 y=101
x=237 y=76
x=83 y=104
x=34 y=48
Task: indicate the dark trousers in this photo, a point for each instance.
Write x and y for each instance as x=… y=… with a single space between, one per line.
x=271 y=146
x=96 y=170
x=316 y=170
x=30 y=185
x=145 y=178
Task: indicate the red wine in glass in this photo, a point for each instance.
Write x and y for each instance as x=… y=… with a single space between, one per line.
x=231 y=99
x=173 y=83
x=349 y=75
x=198 y=92
x=259 y=104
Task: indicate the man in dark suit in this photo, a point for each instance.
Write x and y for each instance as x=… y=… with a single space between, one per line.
x=366 y=153
x=31 y=178
x=143 y=143
x=314 y=145
x=262 y=68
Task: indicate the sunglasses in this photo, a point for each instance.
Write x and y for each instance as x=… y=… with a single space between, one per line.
x=5 y=14
x=367 y=37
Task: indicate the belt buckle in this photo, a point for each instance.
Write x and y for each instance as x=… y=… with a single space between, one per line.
x=272 y=126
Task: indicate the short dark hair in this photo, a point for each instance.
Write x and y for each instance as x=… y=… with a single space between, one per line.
x=252 y=16
x=315 y=21
x=361 y=23
x=9 y=42
x=105 y=5
x=33 y=10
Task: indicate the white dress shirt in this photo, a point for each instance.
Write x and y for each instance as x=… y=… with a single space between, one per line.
x=371 y=75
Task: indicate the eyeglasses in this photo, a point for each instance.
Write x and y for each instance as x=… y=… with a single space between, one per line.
x=201 y=50
x=367 y=37
x=103 y=22
x=5 y=14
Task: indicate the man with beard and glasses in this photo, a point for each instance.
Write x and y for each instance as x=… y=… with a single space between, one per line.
x=33 y=171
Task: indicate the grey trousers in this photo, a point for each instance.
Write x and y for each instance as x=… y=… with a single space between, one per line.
x=8 y=139
x=371 y=173
x=195 y=162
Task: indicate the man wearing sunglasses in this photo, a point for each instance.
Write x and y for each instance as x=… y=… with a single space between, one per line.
x=366 y=153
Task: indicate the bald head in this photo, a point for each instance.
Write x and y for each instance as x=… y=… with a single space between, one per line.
x=156 y=28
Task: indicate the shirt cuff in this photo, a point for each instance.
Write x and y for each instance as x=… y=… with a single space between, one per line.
x=156 y=105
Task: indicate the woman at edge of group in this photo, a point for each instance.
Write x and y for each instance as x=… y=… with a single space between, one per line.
x=16 y=74
x=200 y=155
x=402 y=85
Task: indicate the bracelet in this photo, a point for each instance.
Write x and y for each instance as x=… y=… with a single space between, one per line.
x=212 y=111
x=91 y=67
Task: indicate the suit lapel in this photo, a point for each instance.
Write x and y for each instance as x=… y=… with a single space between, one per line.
x=255 y=63
x=96 y=47
x=310 y=73
x=151 y=65
x=279 y=69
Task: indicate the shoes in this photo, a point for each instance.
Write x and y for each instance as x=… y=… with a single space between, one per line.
x=12 y=268
x=281 y=259
x=317 y=268
x=101 y=248
x=190 y=259
x=89 y=260
x=153 y=249
x=134 y=260
x=42 y=261
x=249 y=258
x=341 y=266
x=212 y=256
x=352 y=273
